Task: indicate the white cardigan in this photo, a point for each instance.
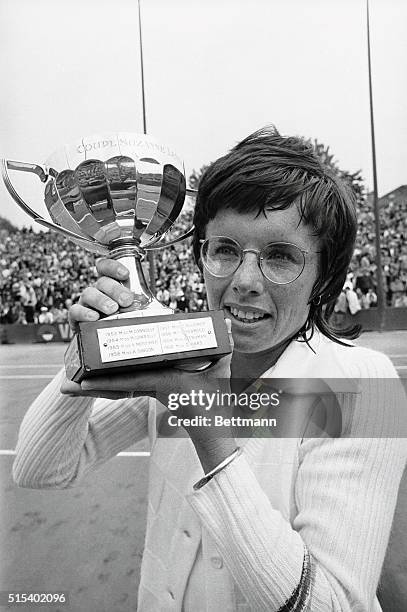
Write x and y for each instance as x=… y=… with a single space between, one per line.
x=237 y=544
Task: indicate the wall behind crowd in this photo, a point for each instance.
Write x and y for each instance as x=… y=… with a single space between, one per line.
x=43 y=274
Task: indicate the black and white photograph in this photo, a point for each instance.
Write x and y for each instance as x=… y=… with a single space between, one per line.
x=203 y=306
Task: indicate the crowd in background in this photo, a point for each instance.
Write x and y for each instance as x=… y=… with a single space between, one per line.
x=179 y=282
x=43 y=273
x=393 y=240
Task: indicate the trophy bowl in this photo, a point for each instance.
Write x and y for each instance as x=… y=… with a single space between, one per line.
x=117 y=194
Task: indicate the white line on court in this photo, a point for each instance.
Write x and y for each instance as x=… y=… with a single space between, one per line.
x=124 y=454
x=25 y=376
x=26 y=367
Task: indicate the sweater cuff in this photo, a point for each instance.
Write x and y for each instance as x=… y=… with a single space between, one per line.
x=263 y=553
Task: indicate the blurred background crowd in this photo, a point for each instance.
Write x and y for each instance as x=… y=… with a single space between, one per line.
x=43 y=273
x=393 y=240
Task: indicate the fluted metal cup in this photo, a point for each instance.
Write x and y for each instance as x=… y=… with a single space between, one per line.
x=117 y=195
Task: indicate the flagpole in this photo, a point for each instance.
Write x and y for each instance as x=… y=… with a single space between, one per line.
x=150 y=254
x=381 y=305
x=142 y=70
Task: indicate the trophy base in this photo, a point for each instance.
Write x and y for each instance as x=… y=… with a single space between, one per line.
x=107 y=347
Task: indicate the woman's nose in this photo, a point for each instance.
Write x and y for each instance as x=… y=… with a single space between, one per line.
x=248 y=278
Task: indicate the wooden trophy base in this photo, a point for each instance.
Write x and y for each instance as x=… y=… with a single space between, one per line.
x=107 y=347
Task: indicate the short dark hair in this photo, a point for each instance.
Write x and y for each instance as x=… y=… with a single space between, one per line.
x=267 y=170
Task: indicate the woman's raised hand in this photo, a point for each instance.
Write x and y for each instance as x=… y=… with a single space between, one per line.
x=105 y=296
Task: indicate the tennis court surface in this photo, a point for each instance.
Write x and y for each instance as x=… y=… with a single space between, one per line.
x=85 y=541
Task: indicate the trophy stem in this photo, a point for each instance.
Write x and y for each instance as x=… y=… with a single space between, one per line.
x=144 y=303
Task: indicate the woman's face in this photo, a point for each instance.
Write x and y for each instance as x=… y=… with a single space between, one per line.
x=285 y=307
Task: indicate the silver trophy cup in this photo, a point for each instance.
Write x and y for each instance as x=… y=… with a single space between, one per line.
x=117 y=195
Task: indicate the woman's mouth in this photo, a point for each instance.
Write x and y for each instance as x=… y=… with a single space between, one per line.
x=245 y=315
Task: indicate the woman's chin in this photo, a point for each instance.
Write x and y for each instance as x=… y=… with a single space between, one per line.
x=251 y=342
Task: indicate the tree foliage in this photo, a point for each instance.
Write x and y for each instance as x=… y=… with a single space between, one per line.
x=195 y=177
x=5 y=224
x=354 y=179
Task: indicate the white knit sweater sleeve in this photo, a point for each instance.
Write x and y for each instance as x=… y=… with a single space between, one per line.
x=345 y=494
x=63 y=437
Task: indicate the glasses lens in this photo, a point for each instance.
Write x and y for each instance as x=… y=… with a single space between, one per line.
x=221 y=255
x=282 y=263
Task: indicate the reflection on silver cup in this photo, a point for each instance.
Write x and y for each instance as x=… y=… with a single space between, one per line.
x=123 y=192
x=117 y=194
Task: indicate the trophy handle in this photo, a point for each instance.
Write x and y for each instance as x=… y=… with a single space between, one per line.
x=167 y=244
x=7 y=164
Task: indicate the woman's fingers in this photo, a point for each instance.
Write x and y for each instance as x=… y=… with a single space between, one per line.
x=112 y=268
x=114 y=290
x=146 y=383
x=105 y=297
x=73 y=389
x=97 y=300
x=69 y=387
x=141 y=383
x=78 y=313
x=92 y=302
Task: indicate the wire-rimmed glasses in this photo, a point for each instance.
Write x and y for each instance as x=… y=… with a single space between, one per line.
x=280 y=262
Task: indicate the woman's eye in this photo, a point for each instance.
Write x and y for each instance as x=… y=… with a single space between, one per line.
x=225 y=250
x=278 y=256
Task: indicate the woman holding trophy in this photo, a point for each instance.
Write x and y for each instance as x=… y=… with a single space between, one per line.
x=265 y=523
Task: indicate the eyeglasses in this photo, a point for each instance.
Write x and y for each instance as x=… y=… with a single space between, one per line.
x=280 y=262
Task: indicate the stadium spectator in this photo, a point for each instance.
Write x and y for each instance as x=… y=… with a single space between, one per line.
x=364 y=280
x=393 y=227
x=45 y=316
x=401 y=300
x=46 y=269
x=40 y=270
x=28 y=300
x=163 y=295
x=370 y=299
